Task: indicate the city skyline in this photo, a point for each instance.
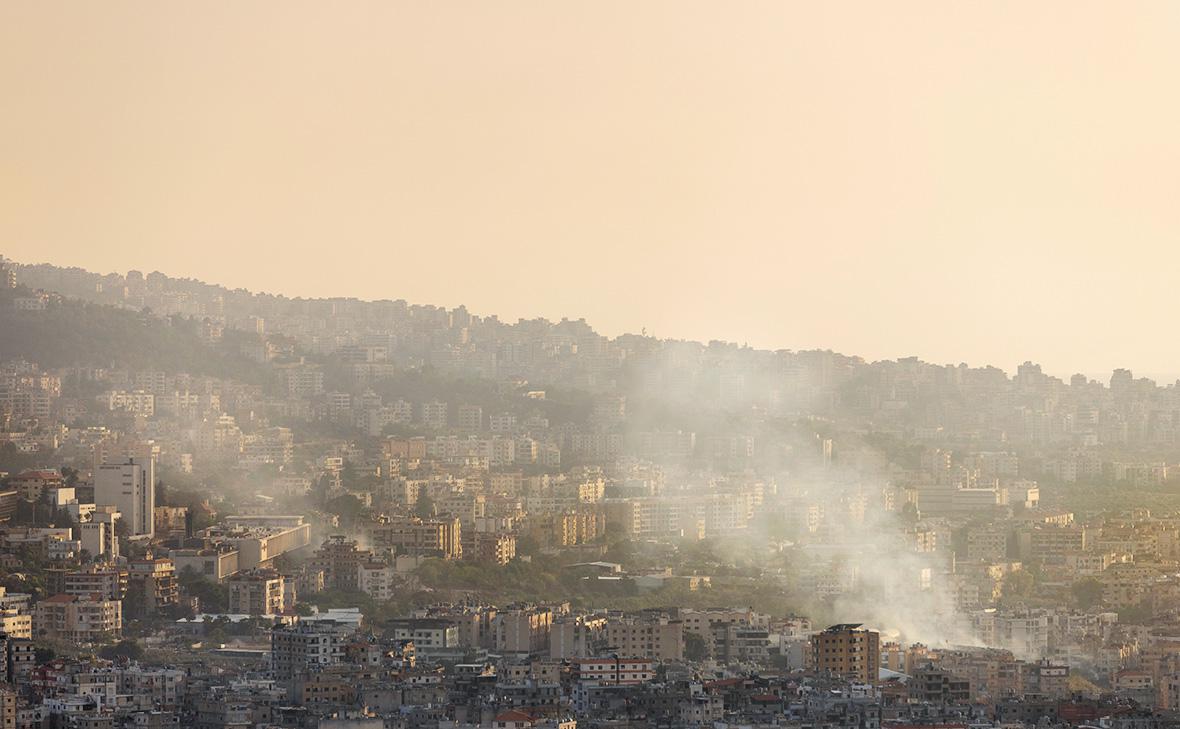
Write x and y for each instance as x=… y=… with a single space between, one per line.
x=546 y=365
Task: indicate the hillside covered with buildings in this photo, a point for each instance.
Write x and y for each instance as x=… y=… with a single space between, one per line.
x=221 y=508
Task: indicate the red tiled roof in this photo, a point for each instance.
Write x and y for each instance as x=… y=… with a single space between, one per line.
x=514 y=715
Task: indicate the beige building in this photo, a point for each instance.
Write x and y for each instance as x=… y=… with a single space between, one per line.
x=78 y=619
x=155 y=582
x=98 y=536
x=523 y=630
x=257 y=592
x=847 y=650
x=986 y=544
x=214 y=565
x=7 y=708
x=411 y=535
x=660 y=639
x=15 y=624
x=107 y=581
x=378 y=580
x=495 y=547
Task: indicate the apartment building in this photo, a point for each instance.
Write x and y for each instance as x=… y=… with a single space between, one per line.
x=847 y=650
x=496 y=547
x=155 y=582
x=613 y=670
x=523 y=629
x=412 y=535
x=377 y=579
x=307 y=647
x=107 y=581
x=658 y=638
x=257 y=592
x=131 y=488
x=78 y=619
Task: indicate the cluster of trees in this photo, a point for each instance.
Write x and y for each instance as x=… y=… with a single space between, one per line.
x=214 y=598
x=72 y=331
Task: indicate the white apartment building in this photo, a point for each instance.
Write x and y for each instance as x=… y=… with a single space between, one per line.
x=131 y=488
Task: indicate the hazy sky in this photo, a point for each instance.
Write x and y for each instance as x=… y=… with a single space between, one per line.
x=978 y=181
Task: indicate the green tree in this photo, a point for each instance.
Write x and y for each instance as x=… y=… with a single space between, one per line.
x=347 y=507
x=1140 y=614
x=424 y=507
x=1088 y=592
x=527 y=546
x=1017 y=585
x=213 y=597
x=695 y=648
x=123 y=649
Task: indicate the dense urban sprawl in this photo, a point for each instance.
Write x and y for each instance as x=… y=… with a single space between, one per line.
x=230 y=510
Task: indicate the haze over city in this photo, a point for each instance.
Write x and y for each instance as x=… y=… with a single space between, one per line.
x=612 y=365
x=986 y=183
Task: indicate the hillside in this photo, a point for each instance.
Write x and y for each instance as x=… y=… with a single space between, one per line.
x=71 y=332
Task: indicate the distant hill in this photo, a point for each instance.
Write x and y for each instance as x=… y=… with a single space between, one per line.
x=71 y=332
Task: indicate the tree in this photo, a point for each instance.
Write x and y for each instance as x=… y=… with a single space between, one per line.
x=1140 y=614
x=217 y=636
x=347 y=507
x=213 y=597
x=695 y=648
x=69 y=475
x=527 y=545
x=1088 y=592
x=621 y=551
x=348 y=475
x=129 y=649
x=424 y=507
x=1017 y=585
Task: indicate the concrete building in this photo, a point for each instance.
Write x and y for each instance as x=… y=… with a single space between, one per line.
x=212 y=564
x=307 y=647
x=131 y=488
x=98 y=535
x=259 y=545
x=155 y=584
x=411 y=535
x=494 y=547
x=378 y=580
x=340 y=560
x=257 y=592
x=847 y=650
x=523 y=630
x=428 y=634
x=470 y=417
x=16 y=624
x=108 y=581
x=613 y=670
x=30 y=484
x=78 y=619
x=658 y=638
x=434 y=414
